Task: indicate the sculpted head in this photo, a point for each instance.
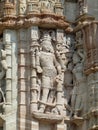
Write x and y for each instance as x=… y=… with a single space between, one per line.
x=47 y=46
x=76 y=58
x=46 y=43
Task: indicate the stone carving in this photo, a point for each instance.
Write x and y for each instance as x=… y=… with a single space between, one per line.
x=50 y=69
x=46 y=6
x=3 y=69
x=33 y=6
x=60 y=52
x=79 y=38
x=83 y=8
x=76 y=101
x=49 y=62
x=1 y=8
x=22 y=7
x=68 y=82
x=64 y=51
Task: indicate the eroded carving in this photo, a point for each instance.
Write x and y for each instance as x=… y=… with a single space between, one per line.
x=51 y=76
x=78 y=79
x=50 y=69
x=46 y=6
x=82 y=7
x=22 y=7
x=3 y=69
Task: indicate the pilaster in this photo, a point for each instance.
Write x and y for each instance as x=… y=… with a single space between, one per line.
x=23 y=80
x=10 y=114
x=34 y=90
x=89 y=28
x=8 y=48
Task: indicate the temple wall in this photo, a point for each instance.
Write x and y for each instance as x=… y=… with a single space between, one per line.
x=48 y=65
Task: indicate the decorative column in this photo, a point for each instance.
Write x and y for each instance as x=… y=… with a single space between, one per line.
x=10 y=41
x=14 y=80
x=34 y=48
x=8 y=49
x=91 y=70
x=9 y=8
x=23 y=63
x=60 y=86
x=33 y=54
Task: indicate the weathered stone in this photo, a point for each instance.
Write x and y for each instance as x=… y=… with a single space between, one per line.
x=48 y=65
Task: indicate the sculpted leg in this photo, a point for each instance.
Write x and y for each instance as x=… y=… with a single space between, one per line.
x=45 y=92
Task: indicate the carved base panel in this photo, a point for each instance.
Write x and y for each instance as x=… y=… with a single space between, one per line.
x=77 y=120
x=48 y=65
x=47 y=117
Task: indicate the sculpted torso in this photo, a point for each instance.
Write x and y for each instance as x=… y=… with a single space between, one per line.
x=77 y=71
x=47 y=64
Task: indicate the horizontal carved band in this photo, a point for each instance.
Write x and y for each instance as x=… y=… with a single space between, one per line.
x=52 y=20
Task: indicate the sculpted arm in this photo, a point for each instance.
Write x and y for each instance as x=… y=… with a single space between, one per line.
x=81 y=54
x=57 y=65
x=38 y=62
x=3 y=63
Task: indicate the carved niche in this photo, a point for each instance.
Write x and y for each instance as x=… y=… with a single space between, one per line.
x=51 y=59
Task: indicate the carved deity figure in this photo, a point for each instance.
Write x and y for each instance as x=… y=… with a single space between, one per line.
x=22 y=6
x=76 y=100
x=79 y=38
x=47 y=5
x=49 y=68
x=82 y=7
x=63 y=52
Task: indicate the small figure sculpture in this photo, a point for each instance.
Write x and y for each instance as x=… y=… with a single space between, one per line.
x=59 y=100
x=68 y=43
x=44 y=5
x=82 y=7
x=47 y=6
x=22 y=7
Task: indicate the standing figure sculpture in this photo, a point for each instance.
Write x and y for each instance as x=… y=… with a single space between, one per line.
x=78 y=82
x=49 y=68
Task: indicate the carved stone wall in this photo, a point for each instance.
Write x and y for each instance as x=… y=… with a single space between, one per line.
x=48 y=65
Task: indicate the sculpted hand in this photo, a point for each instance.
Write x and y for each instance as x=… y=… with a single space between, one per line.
x=58 y=78
x=39 y=69
x=4 y=64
